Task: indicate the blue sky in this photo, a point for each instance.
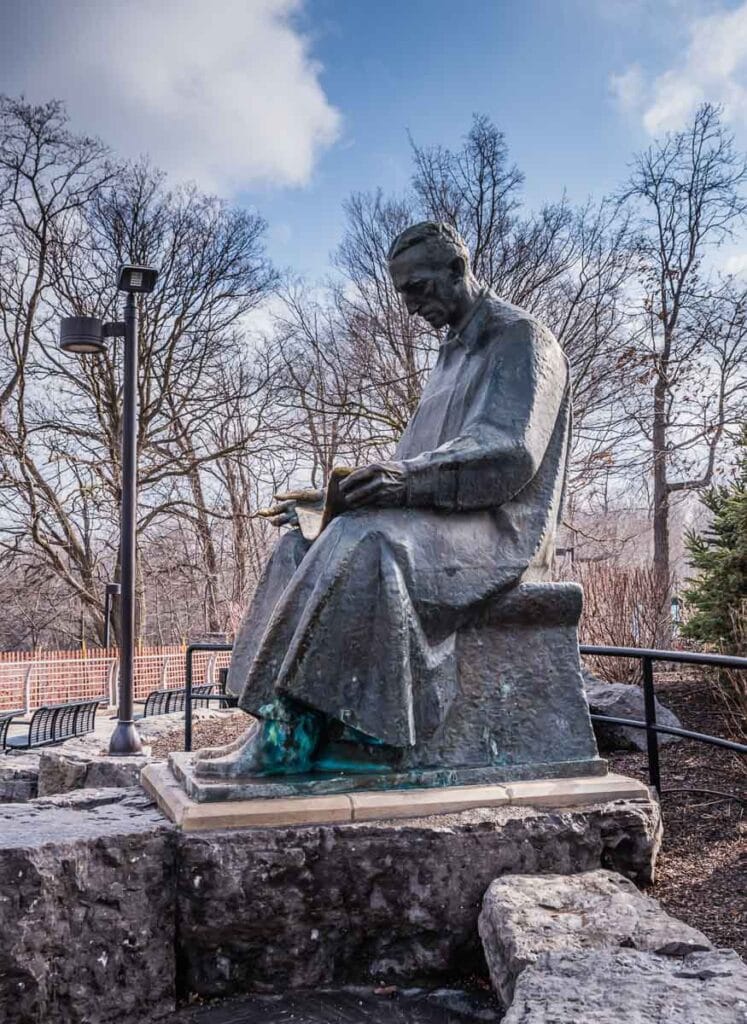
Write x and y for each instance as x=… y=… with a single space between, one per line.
x=544 y=71
x=540 y=70
x=291 y=105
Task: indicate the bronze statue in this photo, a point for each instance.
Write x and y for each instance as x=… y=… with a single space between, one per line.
x=385 y=645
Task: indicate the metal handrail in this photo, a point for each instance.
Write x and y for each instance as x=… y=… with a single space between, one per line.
x=648 y=655
x=654 y=654
x=188 y=696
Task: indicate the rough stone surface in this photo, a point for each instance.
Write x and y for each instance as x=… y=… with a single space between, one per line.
x=623 y=700
x=632 y=987
x=67 y=768
x=84 y=762
x=287 y=908
x=86 y=910
x=523 y=917
x=19 y=777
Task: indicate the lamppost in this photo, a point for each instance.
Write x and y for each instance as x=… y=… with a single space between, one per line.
x=81 y=334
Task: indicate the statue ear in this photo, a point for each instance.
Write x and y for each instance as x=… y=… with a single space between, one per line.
x=457 y=268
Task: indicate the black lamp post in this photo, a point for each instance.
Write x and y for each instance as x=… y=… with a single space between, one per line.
x=87 y=334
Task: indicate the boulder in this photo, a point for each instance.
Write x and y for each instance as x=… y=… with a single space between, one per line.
x=526 y=916
x=289 y=907
x=87 y=926
x=19 y=777
x=623 y=700
x=626 y=985
x=84 y=762
x=69 y=767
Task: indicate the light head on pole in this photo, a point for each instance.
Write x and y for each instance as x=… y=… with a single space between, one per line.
x=137 y=279
x=82 y=335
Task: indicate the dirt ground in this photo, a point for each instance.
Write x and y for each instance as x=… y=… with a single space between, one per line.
x=702 y=870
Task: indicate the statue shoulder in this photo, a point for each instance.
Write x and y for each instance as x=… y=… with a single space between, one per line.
x=505 y=319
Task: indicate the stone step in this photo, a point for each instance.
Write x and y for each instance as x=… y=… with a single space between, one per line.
x=526 y=916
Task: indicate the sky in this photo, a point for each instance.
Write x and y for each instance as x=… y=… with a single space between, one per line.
x=289 y=106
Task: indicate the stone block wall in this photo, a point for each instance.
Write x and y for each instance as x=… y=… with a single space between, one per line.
x=87 y=912
x=108 y=914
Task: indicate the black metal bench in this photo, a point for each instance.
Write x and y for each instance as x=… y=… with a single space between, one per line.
x=5 y=719
x=168 y=702
x=53 y=723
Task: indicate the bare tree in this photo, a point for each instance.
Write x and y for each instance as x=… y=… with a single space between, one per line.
x=47 y=176
x=62 y=424
x=687 y=191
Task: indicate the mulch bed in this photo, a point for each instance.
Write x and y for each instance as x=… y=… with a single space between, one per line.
x=702 y=869
x=206 y=732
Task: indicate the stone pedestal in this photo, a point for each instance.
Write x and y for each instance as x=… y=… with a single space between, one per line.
x=274 y=909
x=166 y=784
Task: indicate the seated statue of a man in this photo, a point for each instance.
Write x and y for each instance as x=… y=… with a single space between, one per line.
x=349 y=643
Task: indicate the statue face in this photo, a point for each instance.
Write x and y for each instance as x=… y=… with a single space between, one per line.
x=430 y=288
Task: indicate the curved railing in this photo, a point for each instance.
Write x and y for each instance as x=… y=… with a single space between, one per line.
x=648 y=656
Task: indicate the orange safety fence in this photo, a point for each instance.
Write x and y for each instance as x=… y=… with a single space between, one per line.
x=30 y=680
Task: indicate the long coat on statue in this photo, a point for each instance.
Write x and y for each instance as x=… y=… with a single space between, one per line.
x=361 y=624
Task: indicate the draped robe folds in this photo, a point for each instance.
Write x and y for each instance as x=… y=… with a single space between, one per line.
x=361 y=624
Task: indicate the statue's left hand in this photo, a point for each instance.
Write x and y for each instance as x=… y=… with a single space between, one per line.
x=382 y=484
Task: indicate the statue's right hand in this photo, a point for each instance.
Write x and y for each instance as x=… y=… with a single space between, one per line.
x=283 y=513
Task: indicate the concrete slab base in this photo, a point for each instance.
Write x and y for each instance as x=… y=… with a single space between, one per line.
x=276 y=787
x=194 y=816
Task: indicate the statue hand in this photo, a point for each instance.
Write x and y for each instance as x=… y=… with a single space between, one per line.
x=382 y=484
x=284 y=512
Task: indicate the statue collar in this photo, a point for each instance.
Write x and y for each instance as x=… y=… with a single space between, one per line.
x=461 y=334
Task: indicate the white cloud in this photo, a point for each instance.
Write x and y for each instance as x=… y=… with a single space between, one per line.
x=224 y=92
x=713 y=68
x=628 y=88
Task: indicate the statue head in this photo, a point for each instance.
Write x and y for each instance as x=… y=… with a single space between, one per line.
x=429 y=266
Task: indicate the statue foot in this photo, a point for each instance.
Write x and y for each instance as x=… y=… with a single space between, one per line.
x=242 y=757
x=283 y=743
x=209 y=753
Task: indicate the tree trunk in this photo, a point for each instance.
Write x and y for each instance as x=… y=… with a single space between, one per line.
x=661 y=510
x=213 y=621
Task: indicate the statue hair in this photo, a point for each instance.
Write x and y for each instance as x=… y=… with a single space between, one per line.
x=442 y=240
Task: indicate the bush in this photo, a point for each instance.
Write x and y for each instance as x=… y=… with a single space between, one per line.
x=622 y=608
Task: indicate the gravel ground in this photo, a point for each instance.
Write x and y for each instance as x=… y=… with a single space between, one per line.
x=702 y=871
